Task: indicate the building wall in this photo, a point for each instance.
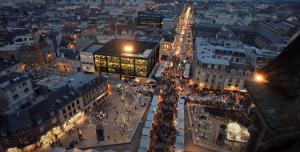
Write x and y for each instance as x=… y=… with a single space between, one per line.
x=129 y=66
x=70 y=110
x=169 y=23
x=87 y=2
x=14 y=68
x=67 y=65
x=29 y=136
x=94 y=95
x=87 y=62
x=214 y=78
x=19 y=93
x=24 y=40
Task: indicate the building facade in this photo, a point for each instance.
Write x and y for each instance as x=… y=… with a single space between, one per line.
x=68 y=60
x=127 y=58
x=15 y=90
x=221 y=64
x=87 y=57
x=149 y=19
x=29 y=127
x=8 y=66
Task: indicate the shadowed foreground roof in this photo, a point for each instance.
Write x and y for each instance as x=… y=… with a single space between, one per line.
x=278 y=100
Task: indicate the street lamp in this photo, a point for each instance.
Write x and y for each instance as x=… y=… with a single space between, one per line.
x=259 y=78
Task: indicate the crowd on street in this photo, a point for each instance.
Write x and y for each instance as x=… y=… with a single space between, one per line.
x=226 y=98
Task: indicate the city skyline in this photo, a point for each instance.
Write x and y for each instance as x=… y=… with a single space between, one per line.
x=149 y=76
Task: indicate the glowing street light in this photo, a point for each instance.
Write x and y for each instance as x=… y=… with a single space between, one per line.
x=128 y=48
x=259 y=78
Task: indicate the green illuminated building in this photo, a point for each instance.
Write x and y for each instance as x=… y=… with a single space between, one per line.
x=127 y=57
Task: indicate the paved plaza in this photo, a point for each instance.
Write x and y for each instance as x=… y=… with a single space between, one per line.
x=120 y=121
x=204 y=129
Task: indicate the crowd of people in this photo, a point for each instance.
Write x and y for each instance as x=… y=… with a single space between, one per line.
x=163 y=133
x=225 y=98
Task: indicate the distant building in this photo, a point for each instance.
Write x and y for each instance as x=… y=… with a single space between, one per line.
x=149 y=19
x=86 y=2
x=14 y=2
x=221 y=64
x=87 y=57
x=256 y=35
x=169 y=22
x=259 y=57
x=27 y=40
x=68 y=60
x=30 y=55
x=10 y=52
x=127 y=58
x=8 y=66
x=15 y=90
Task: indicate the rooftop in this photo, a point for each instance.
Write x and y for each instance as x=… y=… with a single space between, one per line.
x=80 y=78
x=53 y=81
x=277 y=100
x=127 y=48
x=71 y=54
x=10 y=79
x=93 y=47
x=4 y=64
x=33 y=115
x=207 y=50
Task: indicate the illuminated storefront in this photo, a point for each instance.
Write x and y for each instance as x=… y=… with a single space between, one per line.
x=127 y=57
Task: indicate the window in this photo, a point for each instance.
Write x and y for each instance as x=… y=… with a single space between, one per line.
x=240 y=73
x=74 y=111
x=247 y=74
x=127 y=65
x=216 y=67
x=77 y=102
x=113 y=64
x=16 y=96
x=26 y=90
x=232 y=71
x=12 y=90
x=64 y=111
x=69 y=107
x=73 y=105
x=24 y=83
x=141 y=67
x=213 y=78
x=208 y=66
x=70 y=114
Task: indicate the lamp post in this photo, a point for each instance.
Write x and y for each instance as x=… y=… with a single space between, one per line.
x=259 y=78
